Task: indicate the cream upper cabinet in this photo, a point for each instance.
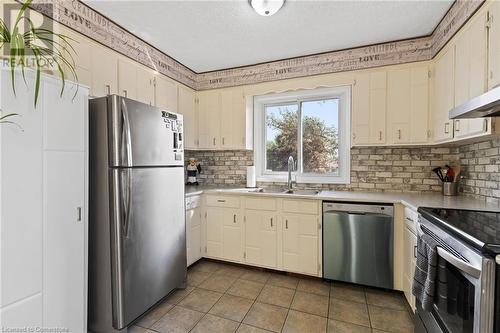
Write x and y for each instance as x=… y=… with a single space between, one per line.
x=408 y=105
x=493 y=22
x=209 y=106
x=127 y=79
x=145 y=85
x=232 y=118
x=443 y=95
x=166 y=95
x=82 y=57
x=369 y=108
x=471 y=72
x=104 y=67
x=186 y=107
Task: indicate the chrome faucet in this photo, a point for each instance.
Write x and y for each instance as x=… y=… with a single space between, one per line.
x=291 y=168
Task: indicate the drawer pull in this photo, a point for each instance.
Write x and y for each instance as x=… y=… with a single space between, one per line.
x=220 y=200
x=409 y=219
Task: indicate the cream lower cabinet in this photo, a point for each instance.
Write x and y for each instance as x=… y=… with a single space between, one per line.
x=277 y=233
x=261 y=232
x=409 y=254
x=300 y=244
x=224 y=228
x=261 y=238
x=194 y=230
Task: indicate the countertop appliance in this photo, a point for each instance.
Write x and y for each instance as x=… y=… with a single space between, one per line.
x=358 y=243
x=465 y=297
x=137 y=242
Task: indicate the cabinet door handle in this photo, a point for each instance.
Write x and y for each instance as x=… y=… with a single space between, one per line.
x=399 y=134
x=271 y=222
x=108 y=89
x=234 y=218
x=286 y=224
x=379 y=135
x=414 y=251
x=457 y=125
x=446 y=128
x=78 y=214
x=214 y=141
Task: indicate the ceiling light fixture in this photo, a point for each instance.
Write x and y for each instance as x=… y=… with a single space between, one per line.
x=266 y=7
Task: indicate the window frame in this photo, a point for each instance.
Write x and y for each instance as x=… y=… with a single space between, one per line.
x=343 y=94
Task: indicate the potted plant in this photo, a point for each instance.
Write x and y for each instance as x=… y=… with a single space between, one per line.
x=41 y=45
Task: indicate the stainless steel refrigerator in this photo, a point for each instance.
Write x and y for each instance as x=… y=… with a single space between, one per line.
x=137 y=238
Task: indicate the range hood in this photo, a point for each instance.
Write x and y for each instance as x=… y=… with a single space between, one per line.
x=485 y=105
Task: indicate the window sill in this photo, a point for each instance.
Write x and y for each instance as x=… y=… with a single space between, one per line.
x=303 y=180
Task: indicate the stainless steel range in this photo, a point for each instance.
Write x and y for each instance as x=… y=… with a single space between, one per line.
x=466 y=278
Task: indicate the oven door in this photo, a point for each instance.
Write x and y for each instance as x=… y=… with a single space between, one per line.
x=464 y=291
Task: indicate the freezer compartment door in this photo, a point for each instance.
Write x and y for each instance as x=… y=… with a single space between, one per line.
x=143 y=135
x=358 y=248
x=148 y=228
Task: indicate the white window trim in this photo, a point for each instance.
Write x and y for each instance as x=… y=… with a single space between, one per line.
x=343 y=93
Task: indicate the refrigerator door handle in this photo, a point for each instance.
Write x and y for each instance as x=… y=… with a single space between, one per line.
x=126 y=137
x=126 y=198
x=116 y=251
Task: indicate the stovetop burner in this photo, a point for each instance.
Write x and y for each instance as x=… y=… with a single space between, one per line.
x=479 y=229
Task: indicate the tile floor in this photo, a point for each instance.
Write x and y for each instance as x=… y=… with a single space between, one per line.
x=228 y=298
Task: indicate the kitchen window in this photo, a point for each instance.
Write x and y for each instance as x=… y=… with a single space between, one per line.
x=312 y=126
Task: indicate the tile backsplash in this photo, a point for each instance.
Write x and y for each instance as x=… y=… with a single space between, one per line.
x=376 y=169
x=228 y=167
x=480 y=164
x=393 y=169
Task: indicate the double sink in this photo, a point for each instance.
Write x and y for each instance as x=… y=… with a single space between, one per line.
x=282 y=191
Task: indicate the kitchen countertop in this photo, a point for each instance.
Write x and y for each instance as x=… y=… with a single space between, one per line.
x=412 y=200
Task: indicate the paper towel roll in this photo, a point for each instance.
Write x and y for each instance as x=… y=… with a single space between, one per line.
x=251 y=176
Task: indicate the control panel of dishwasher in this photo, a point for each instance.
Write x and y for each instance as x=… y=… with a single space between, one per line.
x=358 y=243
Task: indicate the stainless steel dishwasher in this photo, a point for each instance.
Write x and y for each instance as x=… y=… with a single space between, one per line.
x=358 y=243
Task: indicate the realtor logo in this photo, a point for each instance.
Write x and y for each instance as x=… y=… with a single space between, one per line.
x=32 y=27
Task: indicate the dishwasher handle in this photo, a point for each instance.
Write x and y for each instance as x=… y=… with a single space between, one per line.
x=358 y=209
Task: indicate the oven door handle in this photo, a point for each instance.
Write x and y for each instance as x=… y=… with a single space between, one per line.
x=458 y=263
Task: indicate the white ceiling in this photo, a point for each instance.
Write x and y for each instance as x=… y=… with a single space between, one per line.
x=212 y=35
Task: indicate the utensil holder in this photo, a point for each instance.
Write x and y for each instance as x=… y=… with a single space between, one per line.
x=450 y=188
